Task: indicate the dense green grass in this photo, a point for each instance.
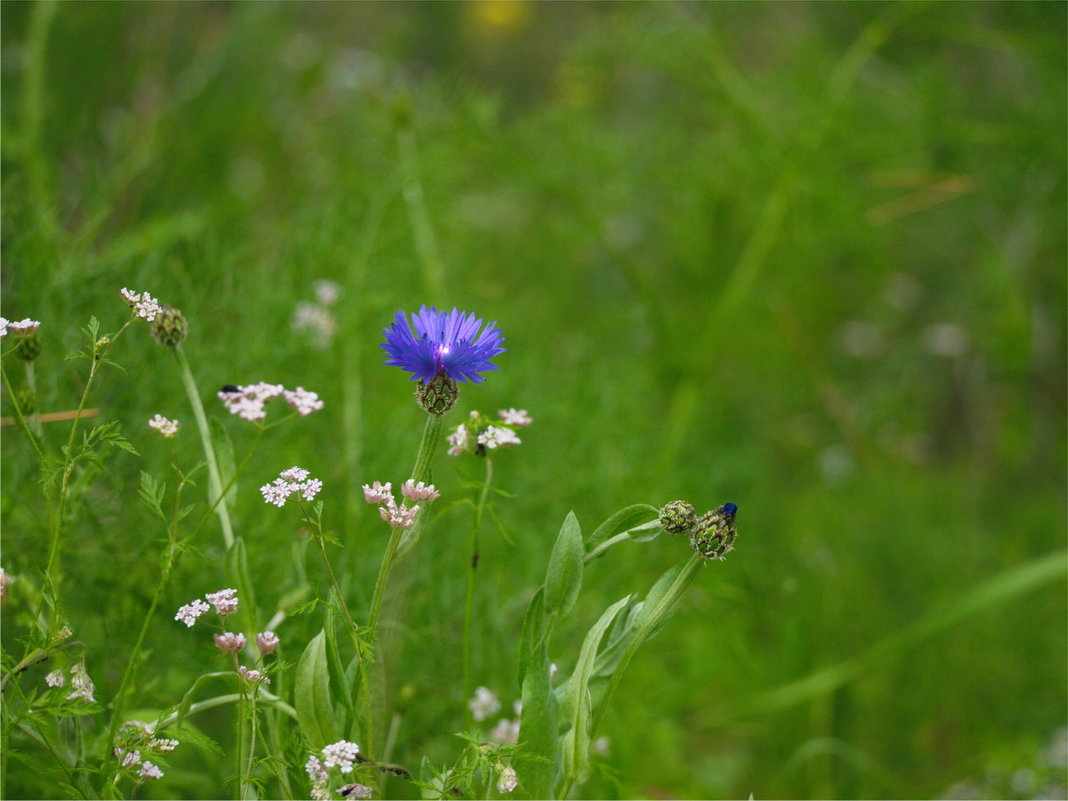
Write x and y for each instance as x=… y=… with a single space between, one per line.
x=808 y=258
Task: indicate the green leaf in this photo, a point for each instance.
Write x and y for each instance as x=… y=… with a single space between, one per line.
x=538 y=763
x=152 y=493
x=311 y=695
x=338 y=685
x=624 y=520
x=533 y=633
x=563 y=578
x=575 y=708
x=224 y=457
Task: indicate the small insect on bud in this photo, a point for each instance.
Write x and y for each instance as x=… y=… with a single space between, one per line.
x=437 y=396
x=169 y=326
x=678 y=517
x=713 y=536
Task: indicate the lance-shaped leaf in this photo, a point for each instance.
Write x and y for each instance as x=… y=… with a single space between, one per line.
x=563 y=578
x=311 y=695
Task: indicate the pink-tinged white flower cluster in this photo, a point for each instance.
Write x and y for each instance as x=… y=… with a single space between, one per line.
x=340 y=755
x=253 y=676
x=249 y=402
x=378 y=492
x=136 y=741
x=189 y=613
x=81 y=684
x=484 y=703
x=496 y=436
x=168 y=428
x=5 y=579
x=399 y=515
x=267 y=642
x=22 y=328
x=515 y=417
x=224 y=601
x=316 y=319
x=419 y=492
x=55 y=679
x=480 y=434
x=507 y=731
x=508 y=780
x=230 y=643
x=291 y=482
x=144 y=305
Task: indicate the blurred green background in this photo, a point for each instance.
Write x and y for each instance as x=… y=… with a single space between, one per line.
x=806 y=257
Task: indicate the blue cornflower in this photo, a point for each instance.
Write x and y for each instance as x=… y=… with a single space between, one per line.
x=444 y=342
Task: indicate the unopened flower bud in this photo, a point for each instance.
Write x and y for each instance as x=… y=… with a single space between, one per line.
x=27 y=400
x=437 y=396
x=230 y=643
x=28 y=346
x=678 y=517
x=169 y=326
x=713 y=537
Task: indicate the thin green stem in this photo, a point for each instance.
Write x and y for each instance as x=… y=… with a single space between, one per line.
x=251 y=747
x=131 y=664
x=420 y=472
x=34 y=420
x=469 y=598
x=20 y=418
x=215 y=494
x=365 y=687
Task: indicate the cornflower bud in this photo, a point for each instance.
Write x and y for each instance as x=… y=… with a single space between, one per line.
x=28 y=346
x=713 y=536
x=438 y=395
x=678 y=517
x=169 y=327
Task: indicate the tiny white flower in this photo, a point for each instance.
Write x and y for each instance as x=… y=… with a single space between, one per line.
x=341 y=755
x=458 y=440
x=131 y=759
x=150 y=771
x=253 y=676
x=419 y=492
x=508 y=780
x=378 y=492
x=506 y=731
x=230 y=643
x=81 y=684
x=495 y=437
x=327 y=292
x=24 y=327
x=398 y=516
x=3 y=327
x=484 y=703
x=317 y=771
x=168 y=428
x=164 y=745
x=224 y=601
x=267 y=642
x=515 y=417
x=55 y=679
x=189 y=613
x=303 y=400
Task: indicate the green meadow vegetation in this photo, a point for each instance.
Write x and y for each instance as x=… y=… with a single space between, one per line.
x=807 y=258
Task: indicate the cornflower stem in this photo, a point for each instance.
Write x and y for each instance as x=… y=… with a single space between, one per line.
x=420 y=472
x=214 y=481
x=469 y=599
x=131 y=664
